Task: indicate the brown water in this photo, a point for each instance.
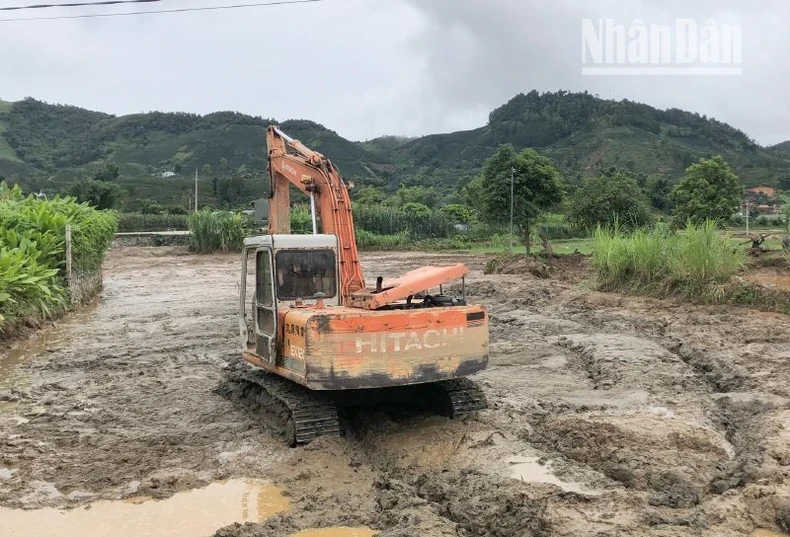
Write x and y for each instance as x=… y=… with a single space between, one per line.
x=526 y=468
x=337 y=532
x=195 y=513
x=49 y=339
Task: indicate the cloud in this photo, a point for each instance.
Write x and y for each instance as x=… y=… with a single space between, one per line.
x=480 y=53
x=372 y=67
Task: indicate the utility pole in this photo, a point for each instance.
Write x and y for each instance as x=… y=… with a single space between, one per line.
x=512 y=181
x=196 y=190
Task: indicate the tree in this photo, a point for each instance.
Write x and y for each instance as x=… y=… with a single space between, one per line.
x=368 y=195
x=472 y=193
x=709 y=190
x=537 y=186
x=610 y=200
x=109 y=172
x=660 y=191
x=417 y=209
x=99 y=194
x=457 y=213
x=418 y=194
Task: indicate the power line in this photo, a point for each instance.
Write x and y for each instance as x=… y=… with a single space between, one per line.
x=181 y=10
x=78 y=4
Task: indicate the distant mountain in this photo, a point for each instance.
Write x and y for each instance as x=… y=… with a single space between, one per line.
x=49 y=146
x=783 y=147
x=584 y=134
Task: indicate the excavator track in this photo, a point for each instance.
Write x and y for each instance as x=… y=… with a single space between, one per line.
x=462 y=397
x=304 y=415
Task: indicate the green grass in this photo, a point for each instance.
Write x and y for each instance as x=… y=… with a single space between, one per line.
x=695 y=262
x=216 y=231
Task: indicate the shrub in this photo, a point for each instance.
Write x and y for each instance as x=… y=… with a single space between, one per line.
x=33 y=247
x=217 y=231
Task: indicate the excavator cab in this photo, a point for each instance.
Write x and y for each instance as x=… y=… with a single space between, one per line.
x=283 y=271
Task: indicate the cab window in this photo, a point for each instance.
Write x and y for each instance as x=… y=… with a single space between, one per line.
x=306 y=274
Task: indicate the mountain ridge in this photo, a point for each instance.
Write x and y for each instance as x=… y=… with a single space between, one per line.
x=48 y=146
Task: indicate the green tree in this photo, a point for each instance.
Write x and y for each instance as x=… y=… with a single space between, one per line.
x=418 y=194
x=608 y=200
x=472 y=193
x=457 y=213
x=660 y=191
x=99 y=194
x=537 y=186
x=417 y=209
x=109 y=172
x=709 y=190
x=368 y=195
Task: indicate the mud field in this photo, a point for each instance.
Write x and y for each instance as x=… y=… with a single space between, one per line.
x=609 y=416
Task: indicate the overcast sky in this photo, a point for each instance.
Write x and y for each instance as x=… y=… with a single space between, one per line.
x=371 y=67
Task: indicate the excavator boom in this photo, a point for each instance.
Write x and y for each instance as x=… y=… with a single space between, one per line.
x=317 y=177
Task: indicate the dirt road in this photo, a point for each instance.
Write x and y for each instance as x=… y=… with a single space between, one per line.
x=610 y=415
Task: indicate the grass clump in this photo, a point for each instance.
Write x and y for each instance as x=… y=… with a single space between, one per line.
x=695 y=262
x=217 y=231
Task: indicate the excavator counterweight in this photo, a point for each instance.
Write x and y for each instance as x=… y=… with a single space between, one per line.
x=317 y=337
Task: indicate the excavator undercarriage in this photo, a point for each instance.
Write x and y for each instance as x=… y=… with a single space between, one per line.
x=301 y=415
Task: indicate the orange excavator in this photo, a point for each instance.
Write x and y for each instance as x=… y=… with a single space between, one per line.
x=318 y=338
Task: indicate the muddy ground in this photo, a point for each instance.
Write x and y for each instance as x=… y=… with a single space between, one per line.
x=609 y=415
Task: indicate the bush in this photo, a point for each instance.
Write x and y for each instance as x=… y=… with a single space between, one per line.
x=131 y=222
x=659 y=261
x=33 y=248
x=217 y=231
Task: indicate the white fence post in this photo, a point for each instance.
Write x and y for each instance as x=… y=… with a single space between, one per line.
x=69 y=275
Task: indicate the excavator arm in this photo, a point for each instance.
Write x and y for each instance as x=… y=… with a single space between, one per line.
x=292 y=163
x=317 y=177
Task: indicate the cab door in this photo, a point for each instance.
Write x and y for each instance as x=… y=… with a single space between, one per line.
x=265 y=307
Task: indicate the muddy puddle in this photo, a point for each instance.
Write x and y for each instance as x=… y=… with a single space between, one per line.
x=529 y=469
x=48 y=340
x=195 y=513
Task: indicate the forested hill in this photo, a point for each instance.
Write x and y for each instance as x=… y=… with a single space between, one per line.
x=784 y=147
x=46 y=146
